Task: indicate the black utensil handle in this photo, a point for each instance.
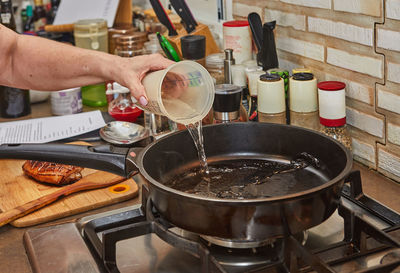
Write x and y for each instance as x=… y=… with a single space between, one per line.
x=95 y=157
x=256 y=29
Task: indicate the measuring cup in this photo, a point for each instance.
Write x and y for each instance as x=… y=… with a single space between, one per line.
x=183 y=92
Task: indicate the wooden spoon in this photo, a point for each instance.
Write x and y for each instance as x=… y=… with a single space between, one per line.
x=95 y=180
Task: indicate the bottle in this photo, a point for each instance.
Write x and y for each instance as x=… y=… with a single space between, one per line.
x=92 y=34
x=303 y=101
x=253 y=73
x=53 y=11
x=28 y=25
x=271 y=99
x=14 y=102
x=39 y=16
x=332 y=111
x=7 y=15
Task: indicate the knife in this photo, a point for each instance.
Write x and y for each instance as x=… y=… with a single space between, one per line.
x=163 y=17
x=186 y=15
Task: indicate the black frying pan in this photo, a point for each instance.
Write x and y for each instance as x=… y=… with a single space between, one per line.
x=248 y=219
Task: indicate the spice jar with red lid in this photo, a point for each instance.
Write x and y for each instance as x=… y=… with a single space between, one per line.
x=332 y=111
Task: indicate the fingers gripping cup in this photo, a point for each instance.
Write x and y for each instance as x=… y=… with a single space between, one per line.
x=184 y=92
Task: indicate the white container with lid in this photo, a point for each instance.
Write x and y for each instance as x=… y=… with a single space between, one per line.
x=332 y=103
x=303 y=93
x=271 y=94
x=237 y=37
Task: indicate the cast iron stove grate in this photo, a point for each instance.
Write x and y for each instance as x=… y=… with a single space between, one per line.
x=361 y=239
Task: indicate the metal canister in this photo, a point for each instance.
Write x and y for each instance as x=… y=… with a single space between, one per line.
x=66 y=102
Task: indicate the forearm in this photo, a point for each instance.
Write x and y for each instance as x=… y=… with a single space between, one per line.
x=40 y=64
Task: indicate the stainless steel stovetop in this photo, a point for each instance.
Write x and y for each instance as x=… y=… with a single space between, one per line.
x=70 y=247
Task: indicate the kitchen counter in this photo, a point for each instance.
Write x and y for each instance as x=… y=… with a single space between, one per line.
x=12 y=252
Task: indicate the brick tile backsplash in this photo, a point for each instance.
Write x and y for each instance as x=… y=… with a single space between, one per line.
x=363 y=150
x=389 y=39
x=243 y=10
x=365 y=122
x=393 y=72
x=393 y=132
x=393 y=9
x=389 y=101
x=300 y=47
x=341 y=30
x=325 y=4
x=368 y=7
x=354 y=90
x=286 y=19
x=359 y=63
x=353 y=41
x=389 y=162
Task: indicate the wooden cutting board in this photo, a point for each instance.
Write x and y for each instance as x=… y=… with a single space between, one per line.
x=17 y=189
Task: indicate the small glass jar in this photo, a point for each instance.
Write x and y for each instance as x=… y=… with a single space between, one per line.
x=215 y=66
x=91 y=34
x=340 y=133
x=116 y=31
x=130 y=45
x=122 y=108
x=332 y=111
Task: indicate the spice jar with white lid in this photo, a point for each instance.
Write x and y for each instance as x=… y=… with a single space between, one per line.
x=332 y=111
x=271 y=99
x=303 y=101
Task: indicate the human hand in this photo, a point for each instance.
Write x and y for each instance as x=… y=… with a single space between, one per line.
x=133 y=70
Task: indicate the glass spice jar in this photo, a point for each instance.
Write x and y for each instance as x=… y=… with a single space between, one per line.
x=215 y=66
x=130 y=45
x=332 y=111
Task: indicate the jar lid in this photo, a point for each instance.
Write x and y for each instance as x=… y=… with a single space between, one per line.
x=215 y=60
x=121 y=30
x=87 y=24
x=193 y=47
x=227 y=89
x=270 y=77
x=252 y=68
x=236 y=23
x=132 y=38
x=303 y=76
x=331 y=85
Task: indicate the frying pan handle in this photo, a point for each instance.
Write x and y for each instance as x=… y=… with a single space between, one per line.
x=105 y=157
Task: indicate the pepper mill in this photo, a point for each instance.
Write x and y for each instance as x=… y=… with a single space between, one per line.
x=228 y=62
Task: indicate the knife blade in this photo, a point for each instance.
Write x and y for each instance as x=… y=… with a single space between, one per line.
x=163 y=17
x=186 y=15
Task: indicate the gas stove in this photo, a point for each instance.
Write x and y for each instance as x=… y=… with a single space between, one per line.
x=361 y=236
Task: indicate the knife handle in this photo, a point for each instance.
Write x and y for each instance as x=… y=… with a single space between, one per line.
x=105 y=157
